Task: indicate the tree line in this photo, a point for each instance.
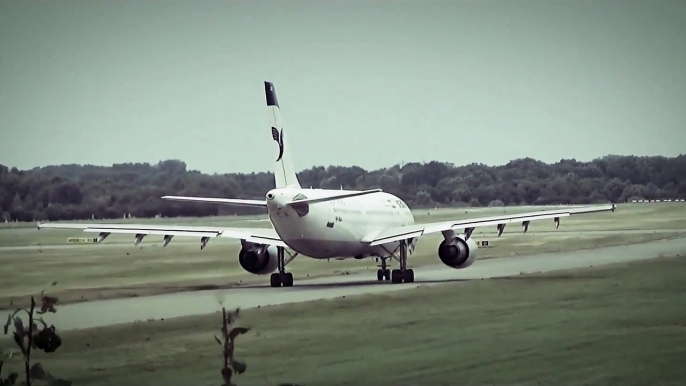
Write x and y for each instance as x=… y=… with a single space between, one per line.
x=69 y=192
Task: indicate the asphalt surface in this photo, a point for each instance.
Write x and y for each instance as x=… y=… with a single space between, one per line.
x=109 y=312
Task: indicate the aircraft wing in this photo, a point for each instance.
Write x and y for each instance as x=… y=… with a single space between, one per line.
x=253 y=235
x=468 y=225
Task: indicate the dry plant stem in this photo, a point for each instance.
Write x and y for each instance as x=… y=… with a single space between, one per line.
x=225 y=330
x=27 y=360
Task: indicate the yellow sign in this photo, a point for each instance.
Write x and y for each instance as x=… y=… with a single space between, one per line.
x=483 y=244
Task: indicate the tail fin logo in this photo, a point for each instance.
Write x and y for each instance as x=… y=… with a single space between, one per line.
x=278 y=137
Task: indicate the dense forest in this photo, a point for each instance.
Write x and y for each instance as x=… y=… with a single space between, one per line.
x=69 y=192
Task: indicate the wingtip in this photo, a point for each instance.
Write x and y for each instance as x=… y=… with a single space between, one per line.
x=270 y=94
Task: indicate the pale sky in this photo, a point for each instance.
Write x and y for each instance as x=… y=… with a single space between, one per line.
x=366 y=83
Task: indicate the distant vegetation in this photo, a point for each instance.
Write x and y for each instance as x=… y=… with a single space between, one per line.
x=69 y=192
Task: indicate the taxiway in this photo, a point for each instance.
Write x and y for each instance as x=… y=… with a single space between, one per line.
x=115 y=311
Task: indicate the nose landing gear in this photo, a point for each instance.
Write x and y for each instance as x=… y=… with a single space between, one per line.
x=383 y=273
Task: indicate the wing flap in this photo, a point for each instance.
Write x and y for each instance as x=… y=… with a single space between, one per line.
x=152 y=232
x=376 y=240
x=416 y=230
x=122 y=227
x=496 y=221
x=253 y=235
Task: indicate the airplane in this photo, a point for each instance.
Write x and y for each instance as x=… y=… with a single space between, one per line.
x=326 y=223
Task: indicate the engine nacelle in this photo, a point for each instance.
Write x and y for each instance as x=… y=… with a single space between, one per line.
x=458 y=253
x=259 y=259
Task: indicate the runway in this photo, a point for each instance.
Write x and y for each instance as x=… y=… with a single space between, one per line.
x=108 y=312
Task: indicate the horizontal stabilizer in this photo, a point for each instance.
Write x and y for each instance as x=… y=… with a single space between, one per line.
x=335 y=196
x=225 y=201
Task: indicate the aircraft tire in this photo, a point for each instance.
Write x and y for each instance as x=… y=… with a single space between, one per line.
x=396 y=276
x=275 y=280
x=409 y=276
x=379 y=275
x=387 y=274
x=287 y=279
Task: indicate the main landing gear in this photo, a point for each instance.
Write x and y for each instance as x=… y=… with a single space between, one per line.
x=396 y=276
x=282 y=278
x=403 y=274
x=383 y=273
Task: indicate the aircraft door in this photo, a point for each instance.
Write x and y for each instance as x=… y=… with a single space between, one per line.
x=332 y=215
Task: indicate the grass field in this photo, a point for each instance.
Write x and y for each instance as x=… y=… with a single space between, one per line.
x=622 y=324
x=118 y=269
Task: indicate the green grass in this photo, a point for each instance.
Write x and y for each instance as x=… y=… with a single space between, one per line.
x=622 y=324
x=118 y=269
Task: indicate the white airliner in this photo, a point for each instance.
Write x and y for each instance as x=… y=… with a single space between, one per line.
x=323 y=224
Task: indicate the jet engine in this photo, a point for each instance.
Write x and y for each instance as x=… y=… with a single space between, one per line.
x=258 y=259
x=457 y=252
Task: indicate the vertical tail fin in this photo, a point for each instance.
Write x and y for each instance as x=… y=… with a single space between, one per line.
x=284 y=173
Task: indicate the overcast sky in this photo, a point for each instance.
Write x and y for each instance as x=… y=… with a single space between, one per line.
x=360 y=83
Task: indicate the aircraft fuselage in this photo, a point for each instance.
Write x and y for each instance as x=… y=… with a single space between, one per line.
x=335 y=228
